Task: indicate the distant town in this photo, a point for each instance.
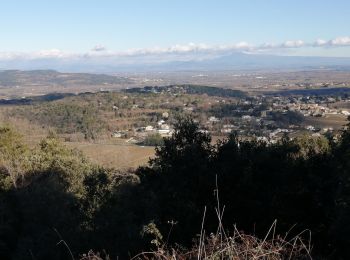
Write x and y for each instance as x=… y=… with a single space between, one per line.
x=267 y=117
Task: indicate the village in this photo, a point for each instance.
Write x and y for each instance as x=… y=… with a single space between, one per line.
x=266 y=117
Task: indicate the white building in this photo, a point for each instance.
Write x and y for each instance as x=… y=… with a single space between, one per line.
x=149 y=128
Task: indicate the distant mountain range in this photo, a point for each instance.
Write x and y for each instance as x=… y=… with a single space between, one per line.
x=233 y=61
x=238 y=61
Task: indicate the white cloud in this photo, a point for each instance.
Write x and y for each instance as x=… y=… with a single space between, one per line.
x=320 y=42
x=337 y=42
x=293 y=44
x=340 y=41
x=53 y=53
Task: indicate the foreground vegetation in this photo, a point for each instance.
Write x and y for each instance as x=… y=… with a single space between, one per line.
x=55 y=203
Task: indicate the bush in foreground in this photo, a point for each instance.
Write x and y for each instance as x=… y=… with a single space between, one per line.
x=56 y=194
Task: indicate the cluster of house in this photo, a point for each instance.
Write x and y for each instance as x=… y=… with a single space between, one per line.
x=251 y=116
x=248 y=122
x=138 y=134
x=162 y=128
x=311 y=107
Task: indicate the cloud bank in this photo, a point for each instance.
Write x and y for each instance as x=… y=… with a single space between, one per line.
x=176 y=52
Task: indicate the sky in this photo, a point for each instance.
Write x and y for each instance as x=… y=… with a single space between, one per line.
x=34 y=29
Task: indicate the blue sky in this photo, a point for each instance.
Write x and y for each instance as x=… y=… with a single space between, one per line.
x=76 y=26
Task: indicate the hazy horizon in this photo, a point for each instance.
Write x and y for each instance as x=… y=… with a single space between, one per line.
x=81 y=34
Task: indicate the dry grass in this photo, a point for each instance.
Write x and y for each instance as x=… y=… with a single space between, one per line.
x=335 y=121
x=237 y=246
x=113 y=155
x=93 y=256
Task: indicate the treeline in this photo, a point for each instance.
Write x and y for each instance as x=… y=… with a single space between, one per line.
x=35 y=99
x=212 y=91
x=190 y=89
x=284 y=119
x=52 y=198
x=326 y=91
x=65 y=117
